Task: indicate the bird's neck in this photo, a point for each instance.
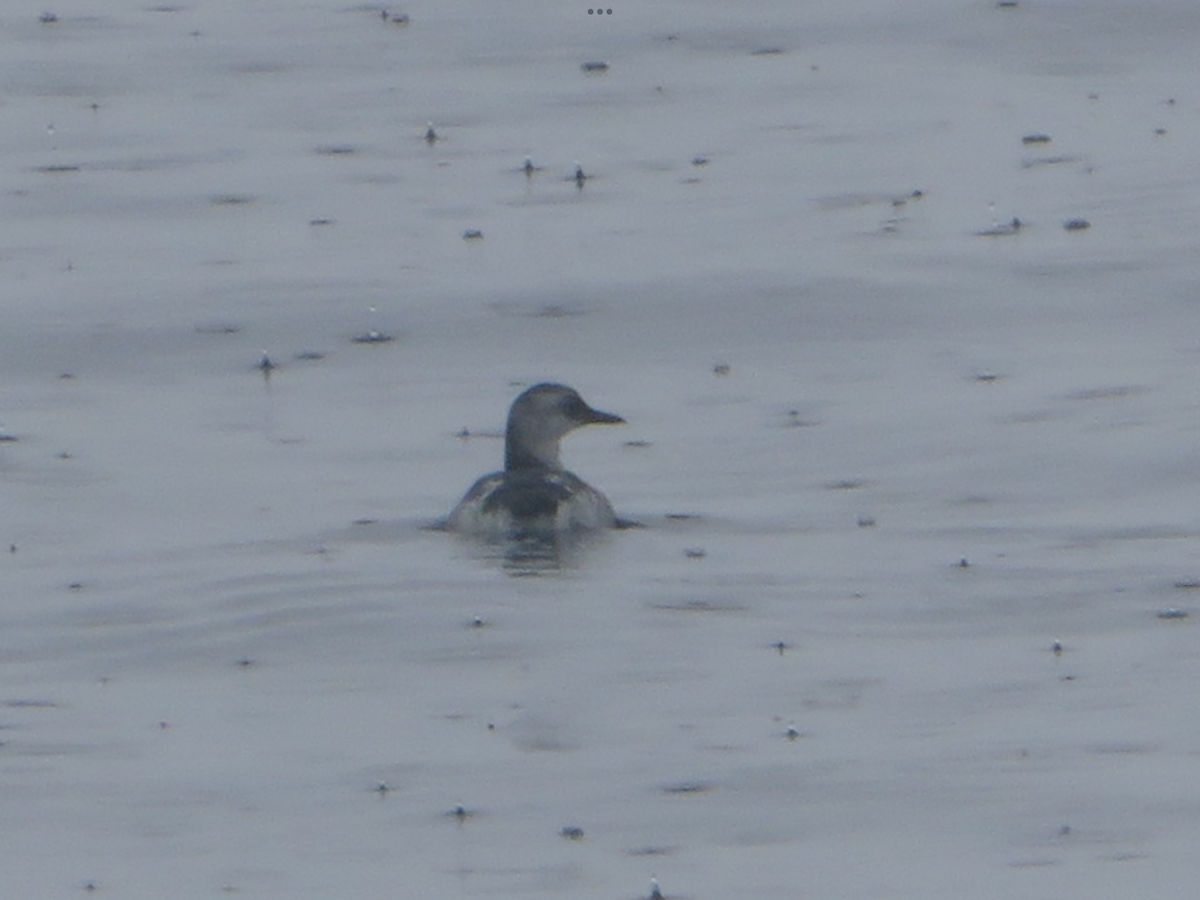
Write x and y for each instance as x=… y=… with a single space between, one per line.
x=520 y=453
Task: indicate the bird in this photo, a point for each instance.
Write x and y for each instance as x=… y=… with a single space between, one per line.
x=535 y=496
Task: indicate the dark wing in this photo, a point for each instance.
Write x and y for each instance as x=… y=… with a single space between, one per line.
x=527 y=495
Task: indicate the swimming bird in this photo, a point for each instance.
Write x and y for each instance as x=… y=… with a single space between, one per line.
x=535 y=495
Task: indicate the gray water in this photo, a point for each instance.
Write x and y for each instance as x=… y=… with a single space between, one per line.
x=883 y=460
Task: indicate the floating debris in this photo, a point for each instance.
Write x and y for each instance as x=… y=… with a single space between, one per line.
x=322 y=221
x=695 y=552
x=1006 y=4
x=372 y=337
x=688 y=787
x=472 y=234
x=768 y=51
x=1116 y=392
x=793 y=419
x=652 y=850
x=848 y=484
x=854 y=199
x=58 y=169
x=1048 y=161
x=1002 y=229
x=866 y=521
x=231 y=199
x=594 y=67
x=309 y=355
x=1077 y=225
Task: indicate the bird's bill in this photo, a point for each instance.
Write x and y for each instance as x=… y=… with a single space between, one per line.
x=596 y=417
